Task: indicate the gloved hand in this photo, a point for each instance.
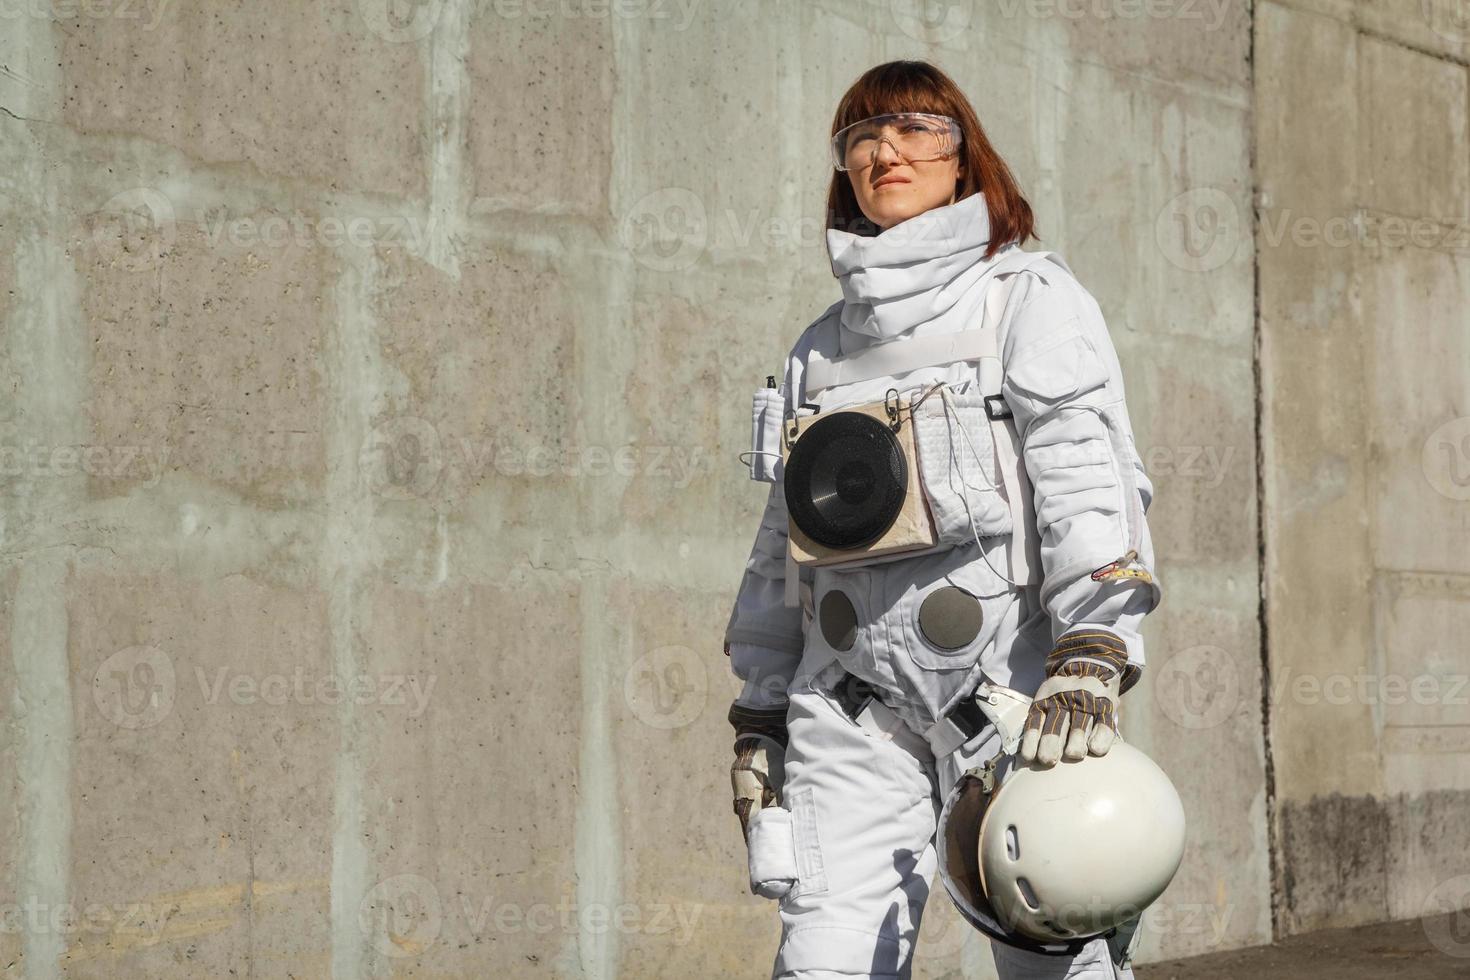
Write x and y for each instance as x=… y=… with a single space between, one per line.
x=760 y=755
x=1074 y=711
x=756 y=778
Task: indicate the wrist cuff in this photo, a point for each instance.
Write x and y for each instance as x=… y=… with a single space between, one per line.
x=759 y=721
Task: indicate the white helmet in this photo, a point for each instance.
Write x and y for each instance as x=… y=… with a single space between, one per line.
x=1047 y=858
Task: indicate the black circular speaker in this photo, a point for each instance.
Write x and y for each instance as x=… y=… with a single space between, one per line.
x=846 y=479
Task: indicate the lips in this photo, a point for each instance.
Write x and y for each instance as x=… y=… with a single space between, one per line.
x=891 y=180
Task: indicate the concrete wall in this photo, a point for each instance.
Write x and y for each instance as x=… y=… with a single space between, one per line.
x=1362 y=237
x=373 y=379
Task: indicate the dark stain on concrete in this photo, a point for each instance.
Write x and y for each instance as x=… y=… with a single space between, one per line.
x=1334 y=868
x=1436 y=948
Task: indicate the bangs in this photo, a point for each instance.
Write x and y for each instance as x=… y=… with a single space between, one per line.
x=891 y=91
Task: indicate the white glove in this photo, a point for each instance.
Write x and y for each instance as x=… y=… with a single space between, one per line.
x=756 y=778
x=1074 y=711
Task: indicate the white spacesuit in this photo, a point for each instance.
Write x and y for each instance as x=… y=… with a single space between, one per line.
x=850 y=850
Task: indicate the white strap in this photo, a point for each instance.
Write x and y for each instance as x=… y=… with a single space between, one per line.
x=944 y=736
x=883 y=722
x=893 y=358
x=791 y=595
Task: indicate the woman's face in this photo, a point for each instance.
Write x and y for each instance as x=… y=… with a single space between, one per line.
x=892 y=190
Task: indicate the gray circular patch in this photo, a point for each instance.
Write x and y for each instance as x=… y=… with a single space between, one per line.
x=838 y=620
x=949 y=617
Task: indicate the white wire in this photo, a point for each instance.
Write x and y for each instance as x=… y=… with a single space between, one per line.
x=950 y=414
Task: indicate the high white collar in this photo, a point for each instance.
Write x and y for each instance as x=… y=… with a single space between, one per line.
x=913 y=273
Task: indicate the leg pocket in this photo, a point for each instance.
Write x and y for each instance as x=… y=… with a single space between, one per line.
x=811 y=876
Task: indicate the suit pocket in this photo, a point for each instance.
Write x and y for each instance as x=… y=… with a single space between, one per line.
x=811 y=875
x=961 y=479
x=1059 y=367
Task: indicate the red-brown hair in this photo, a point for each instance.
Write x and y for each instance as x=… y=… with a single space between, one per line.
x=917 y=86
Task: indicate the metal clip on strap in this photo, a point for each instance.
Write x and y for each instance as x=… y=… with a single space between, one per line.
x=991 y=704
x=1006 y=709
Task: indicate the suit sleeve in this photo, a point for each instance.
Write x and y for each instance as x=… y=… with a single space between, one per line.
x=764 y=637
x=1064 y=385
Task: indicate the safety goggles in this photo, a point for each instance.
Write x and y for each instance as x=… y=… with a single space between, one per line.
x=915 y=136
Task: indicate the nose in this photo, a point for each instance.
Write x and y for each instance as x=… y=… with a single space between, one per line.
x=892 y=156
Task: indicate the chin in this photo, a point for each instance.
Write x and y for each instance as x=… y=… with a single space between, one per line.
x=894 y=215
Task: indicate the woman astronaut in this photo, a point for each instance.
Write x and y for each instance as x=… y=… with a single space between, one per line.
x=859 y=711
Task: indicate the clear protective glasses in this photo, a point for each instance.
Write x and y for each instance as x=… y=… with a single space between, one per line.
x=914 y=135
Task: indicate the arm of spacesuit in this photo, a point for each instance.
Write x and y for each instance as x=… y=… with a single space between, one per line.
x=764 y=636
x=1063 y=382
x=766 y=632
